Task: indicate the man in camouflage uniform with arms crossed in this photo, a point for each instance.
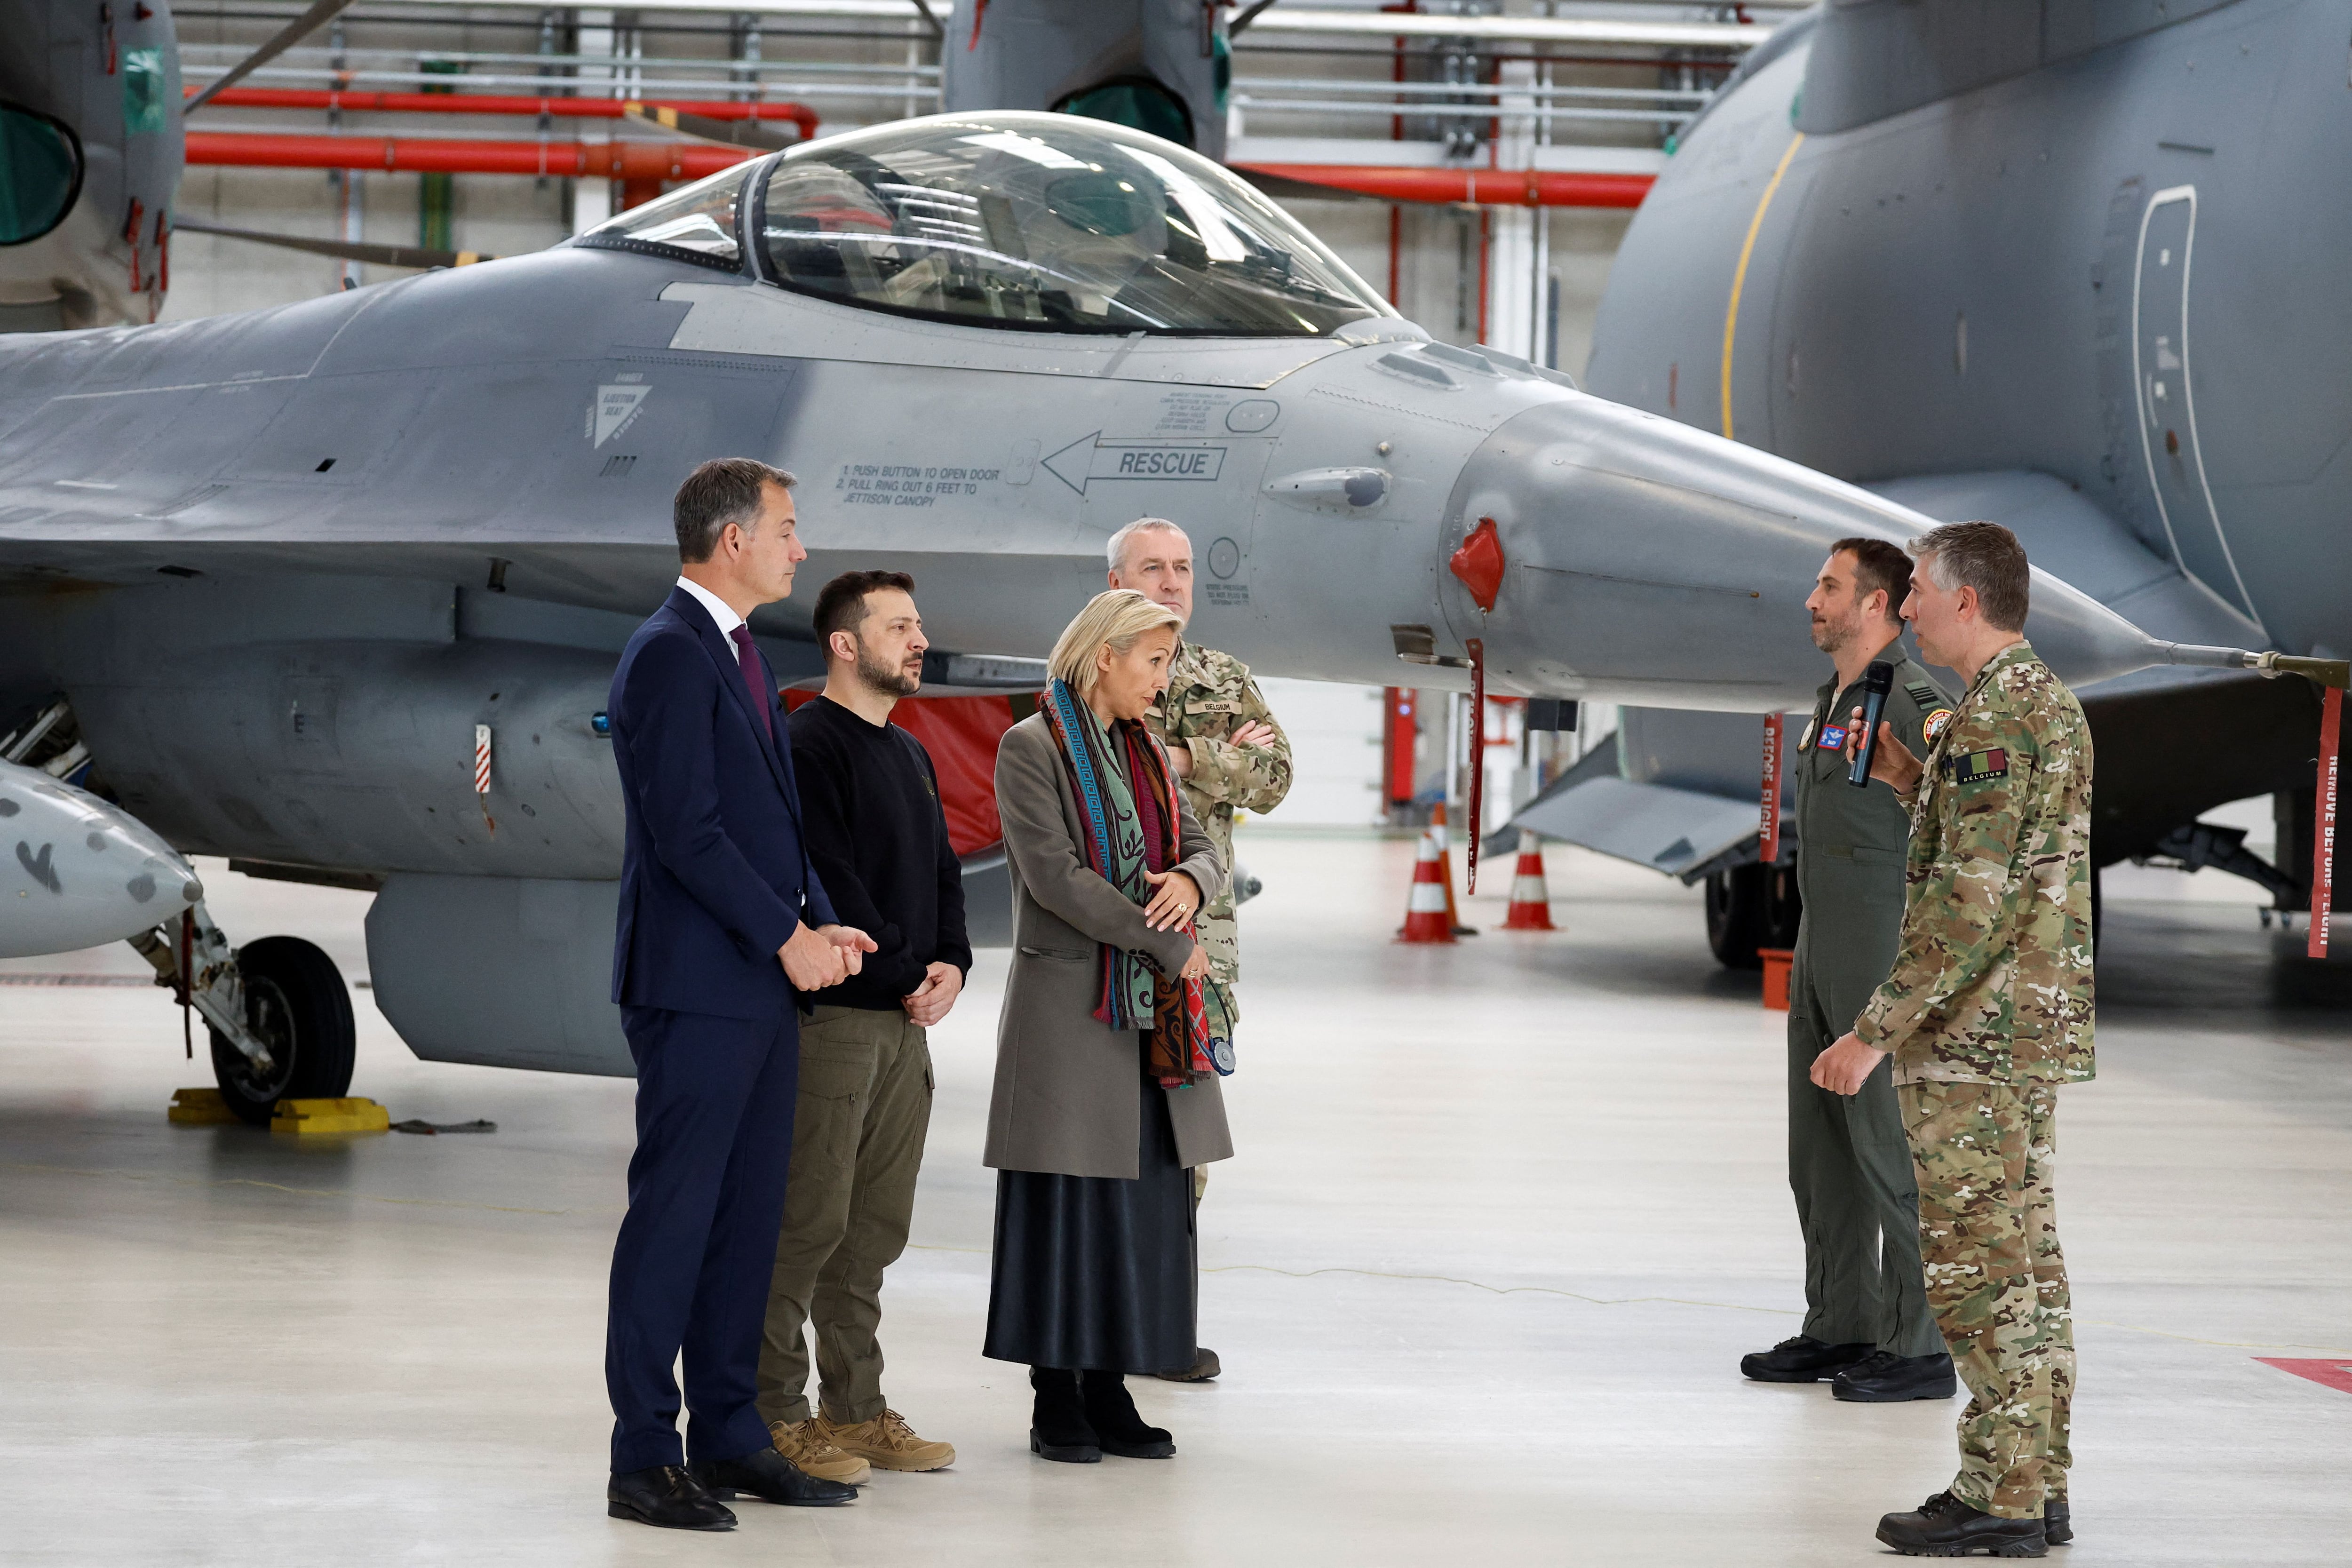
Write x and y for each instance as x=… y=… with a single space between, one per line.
x=1228 y=753
x=1987 y=1011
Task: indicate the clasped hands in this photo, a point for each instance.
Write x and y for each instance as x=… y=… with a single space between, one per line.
x=1174 y=902
x=826 y=955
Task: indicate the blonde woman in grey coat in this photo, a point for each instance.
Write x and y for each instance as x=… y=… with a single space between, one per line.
x=1105 y=1094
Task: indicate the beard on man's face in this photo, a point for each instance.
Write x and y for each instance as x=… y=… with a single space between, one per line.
x=894 y=681
x=1830 y=636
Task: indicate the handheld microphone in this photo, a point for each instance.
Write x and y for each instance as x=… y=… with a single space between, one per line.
x=1876 y=682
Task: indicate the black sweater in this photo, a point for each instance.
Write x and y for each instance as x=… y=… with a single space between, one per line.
x=871 y=819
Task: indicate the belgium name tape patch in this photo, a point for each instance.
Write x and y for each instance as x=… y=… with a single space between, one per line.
x=1976 y=767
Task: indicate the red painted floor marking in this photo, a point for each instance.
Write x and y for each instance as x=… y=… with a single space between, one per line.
x=2335 y=1371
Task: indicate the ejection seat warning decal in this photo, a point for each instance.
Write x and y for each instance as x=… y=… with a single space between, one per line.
x=616 y=406
x=1090 y=458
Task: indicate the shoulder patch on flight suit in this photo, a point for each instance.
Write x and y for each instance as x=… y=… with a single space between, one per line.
x=1936 y=723
x=1832 y=738
x=1976 y=767
x=1922 y=693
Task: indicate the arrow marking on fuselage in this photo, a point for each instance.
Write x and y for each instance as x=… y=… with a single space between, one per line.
x=1090 y=457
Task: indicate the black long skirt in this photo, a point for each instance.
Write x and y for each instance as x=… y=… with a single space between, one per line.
x=1095 y=1272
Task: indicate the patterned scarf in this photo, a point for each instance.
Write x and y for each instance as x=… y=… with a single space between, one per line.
x=1128 y=797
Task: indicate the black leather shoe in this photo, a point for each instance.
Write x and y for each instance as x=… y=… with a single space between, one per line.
x=770 y=1476
x=1886 y=1378
x=667 y=1497
x=1943 y=1526
x=1059 y=1428
x=2057 y=1525
x=1119 y=1427
x=1801 y=1359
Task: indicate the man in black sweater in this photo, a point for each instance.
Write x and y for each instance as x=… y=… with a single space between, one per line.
x=871 y=819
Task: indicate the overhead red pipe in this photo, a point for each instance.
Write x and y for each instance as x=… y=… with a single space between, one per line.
x=576 y=160
x=1480 y=187
x=800 y=114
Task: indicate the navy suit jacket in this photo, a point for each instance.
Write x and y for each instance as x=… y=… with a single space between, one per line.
x=714 y=876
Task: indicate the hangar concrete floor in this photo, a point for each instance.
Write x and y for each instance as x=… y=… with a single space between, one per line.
x=1504 y=1219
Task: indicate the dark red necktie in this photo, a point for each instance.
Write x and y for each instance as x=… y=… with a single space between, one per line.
x=748 y=658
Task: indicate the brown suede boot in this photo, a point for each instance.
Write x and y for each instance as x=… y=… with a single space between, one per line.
x=806 y=1445
x=887 y=1443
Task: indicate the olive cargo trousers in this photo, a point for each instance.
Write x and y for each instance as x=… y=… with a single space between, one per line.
x=863 y=1107
x=1851 y=1170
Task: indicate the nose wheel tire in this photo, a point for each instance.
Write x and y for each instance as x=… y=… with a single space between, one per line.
x=296 y=1004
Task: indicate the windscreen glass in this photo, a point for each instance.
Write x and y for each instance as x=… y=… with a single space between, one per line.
x=1049 y=222
x=698 y=220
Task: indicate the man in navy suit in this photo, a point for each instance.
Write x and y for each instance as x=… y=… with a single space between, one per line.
x=723 y=926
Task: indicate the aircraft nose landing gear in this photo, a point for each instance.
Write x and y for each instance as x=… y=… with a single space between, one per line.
x=278 y=1013
x=296 y=1006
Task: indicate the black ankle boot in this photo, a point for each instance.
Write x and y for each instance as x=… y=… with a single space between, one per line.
x=1110 y=1411
x=1059 y=1428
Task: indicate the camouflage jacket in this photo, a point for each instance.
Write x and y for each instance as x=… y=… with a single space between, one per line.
x=1210 y=694
x=1992 y=982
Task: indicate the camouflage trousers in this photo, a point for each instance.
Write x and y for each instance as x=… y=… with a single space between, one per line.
x=1997 y=1283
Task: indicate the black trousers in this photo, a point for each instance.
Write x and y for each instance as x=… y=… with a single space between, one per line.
x=692 y=1265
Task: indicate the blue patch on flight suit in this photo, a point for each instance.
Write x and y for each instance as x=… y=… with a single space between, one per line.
x=1832 y=738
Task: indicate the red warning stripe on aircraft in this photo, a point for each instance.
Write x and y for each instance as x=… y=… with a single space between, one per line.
x=2334 y=1372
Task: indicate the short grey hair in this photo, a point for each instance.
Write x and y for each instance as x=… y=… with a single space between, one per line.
x=1981 y=555
x=1115 y=551
x=721 y=491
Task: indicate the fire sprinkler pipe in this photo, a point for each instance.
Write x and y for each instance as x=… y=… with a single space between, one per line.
x=574 y=160
x=1478 y=187
x=800 y=114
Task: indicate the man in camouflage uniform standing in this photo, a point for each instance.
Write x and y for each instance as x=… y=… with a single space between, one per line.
x=1987 y=1011
x=1228 y=752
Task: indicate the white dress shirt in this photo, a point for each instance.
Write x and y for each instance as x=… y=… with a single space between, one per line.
x=727 y=618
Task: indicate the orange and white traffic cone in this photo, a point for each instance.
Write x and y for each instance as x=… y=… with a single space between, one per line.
x=1445 y=870
x=1426 y=916
x=1530 y=897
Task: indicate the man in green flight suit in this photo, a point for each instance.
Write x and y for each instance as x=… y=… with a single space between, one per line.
x=1987 y=1009
x=1228 y=752
x=1867 y=1328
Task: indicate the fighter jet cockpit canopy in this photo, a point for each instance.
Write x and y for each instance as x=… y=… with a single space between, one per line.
x=1036 y=221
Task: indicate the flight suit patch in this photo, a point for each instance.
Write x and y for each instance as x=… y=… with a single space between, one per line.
x=1935 y=724
x=1832 y=738
x=1922 y=693
x=1977 y=767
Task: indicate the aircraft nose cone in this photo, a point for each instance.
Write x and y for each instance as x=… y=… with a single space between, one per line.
x=77 y=872
x=1648 y=561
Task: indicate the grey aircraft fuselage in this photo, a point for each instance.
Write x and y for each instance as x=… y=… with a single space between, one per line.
x=282 y=565
x=2062 y=265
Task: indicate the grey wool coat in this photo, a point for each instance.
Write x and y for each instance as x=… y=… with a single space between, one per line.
x=1066 y=1100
